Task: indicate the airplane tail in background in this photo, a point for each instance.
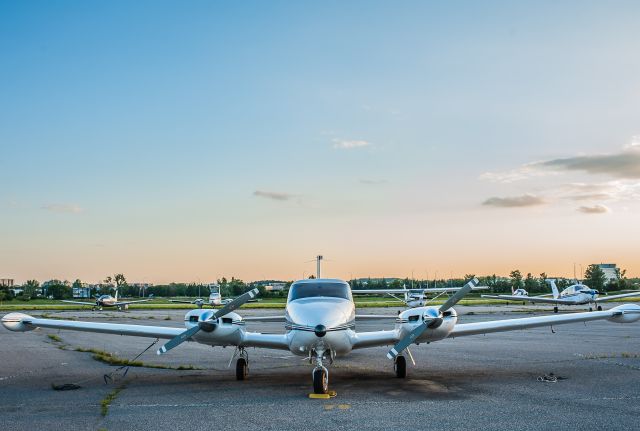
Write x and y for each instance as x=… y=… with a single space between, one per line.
x=554 y=288
x=116 y=297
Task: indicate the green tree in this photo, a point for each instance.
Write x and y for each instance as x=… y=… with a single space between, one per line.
x=516 y=279
x=594 y=277
x=530 y=283
x=31 y=288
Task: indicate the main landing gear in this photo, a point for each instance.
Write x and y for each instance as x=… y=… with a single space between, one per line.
x=599 y=308
x=242 y=365
x=555 y=309
x=400 y=366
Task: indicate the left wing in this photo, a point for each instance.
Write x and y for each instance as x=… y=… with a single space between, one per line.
x=622 y=314
x=77 y=302
x=623 y=295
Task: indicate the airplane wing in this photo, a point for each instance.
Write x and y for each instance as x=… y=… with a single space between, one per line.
x=528 y=299
x=427 y=290
x=104 y=328
x=131 y=302
x=464 y=329
x=610 y=297
x=78 y=302
x=182 y=302
x=249 y=339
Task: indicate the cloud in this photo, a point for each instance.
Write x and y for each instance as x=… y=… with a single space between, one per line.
x=276 y=196
x=625 y=164
x=343 y=144
x=370 y=181
x=595 y=209
x=515 y=201
x=63 y=208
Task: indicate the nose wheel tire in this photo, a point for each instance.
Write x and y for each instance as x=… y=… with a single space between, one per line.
x=400 y=367
x=320 y=381
x=242 y=369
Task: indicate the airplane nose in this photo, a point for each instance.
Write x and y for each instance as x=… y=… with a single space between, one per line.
x=320 y=331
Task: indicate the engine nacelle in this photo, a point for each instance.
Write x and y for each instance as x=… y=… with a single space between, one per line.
x=15 y=322
x=223 y=331
x=626 y=313
x=410 y=319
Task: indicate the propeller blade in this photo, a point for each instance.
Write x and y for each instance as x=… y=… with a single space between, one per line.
x=459 y=295
x=407 y=341
x=176 y=341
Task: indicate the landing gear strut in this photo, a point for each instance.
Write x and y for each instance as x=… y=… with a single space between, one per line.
x=242 y=365
x=400 y=367
x=320 y=375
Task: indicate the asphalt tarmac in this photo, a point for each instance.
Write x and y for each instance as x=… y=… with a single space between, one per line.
x=479 y=382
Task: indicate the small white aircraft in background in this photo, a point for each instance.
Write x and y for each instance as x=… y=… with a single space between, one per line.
x=107 y=301
x=215 y=299
x=320 y=324
x=413 y=297
x=576 y=294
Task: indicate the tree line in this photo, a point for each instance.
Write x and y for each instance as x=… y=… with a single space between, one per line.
x=593 y=277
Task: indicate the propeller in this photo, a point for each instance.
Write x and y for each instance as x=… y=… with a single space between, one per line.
x=434 y=320
x=209 y=324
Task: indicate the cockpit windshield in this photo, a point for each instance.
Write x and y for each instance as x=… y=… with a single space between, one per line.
x=319 y=289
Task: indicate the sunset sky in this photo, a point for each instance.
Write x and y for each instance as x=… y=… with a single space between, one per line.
x=186 y=141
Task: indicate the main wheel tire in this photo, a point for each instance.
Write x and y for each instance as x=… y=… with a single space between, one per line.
x=241 y=369
x=320 y=381
x=599 y=307
x=590 y=309
x=555 y=309
x=400 y=366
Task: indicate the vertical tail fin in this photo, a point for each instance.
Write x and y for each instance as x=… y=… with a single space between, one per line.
x=554 y=288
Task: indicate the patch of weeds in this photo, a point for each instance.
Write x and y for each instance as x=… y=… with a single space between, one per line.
x=106 y=401
x=54 y=338
x=111 y=359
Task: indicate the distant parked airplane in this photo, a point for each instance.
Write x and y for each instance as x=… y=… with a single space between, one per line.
x=576 y=294
x=215 y=299
x=107 y=301
x=413 y=297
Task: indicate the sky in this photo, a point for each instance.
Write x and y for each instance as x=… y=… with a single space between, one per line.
x=186 y=141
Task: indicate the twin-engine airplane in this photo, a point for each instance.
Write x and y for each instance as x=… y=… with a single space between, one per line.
x=576 y=294
x=107 y=301
x=320 y=323
x=413 y=297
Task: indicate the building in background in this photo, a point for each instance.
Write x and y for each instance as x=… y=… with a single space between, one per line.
x=6 y=282
x=610 y=271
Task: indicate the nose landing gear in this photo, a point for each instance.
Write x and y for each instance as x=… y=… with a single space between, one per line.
x=320 y=374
